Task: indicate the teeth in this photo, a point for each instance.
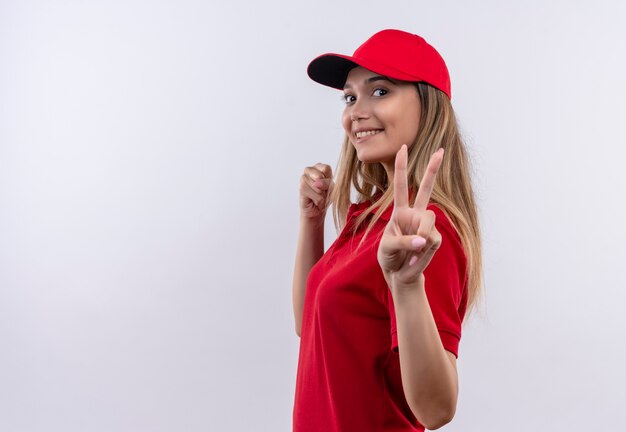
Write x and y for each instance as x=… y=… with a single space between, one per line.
x=367 y=133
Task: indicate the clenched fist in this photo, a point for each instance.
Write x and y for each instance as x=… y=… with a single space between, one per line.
x=316 y=184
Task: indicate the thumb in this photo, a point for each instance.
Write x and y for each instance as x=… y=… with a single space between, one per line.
x=391 y=244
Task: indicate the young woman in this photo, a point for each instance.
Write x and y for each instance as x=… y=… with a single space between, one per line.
x=380 y=312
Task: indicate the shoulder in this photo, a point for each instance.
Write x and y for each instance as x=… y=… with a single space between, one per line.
x=446 y=274
x=450 y=238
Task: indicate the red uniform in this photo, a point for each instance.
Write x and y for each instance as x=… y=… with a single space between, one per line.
x=348 y=376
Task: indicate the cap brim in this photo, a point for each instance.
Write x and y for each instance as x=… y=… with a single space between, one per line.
x=332 y=70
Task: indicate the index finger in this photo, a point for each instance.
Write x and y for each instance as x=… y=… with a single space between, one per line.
x=428 y=181
x=324 y=169
x=400 y=187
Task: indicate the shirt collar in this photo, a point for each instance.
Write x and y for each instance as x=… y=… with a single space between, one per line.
x=357 y=208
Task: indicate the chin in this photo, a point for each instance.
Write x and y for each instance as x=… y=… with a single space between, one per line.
x=368 y=158
x=365 y=160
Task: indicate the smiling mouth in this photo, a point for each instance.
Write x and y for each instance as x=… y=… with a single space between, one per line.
x=366 y=134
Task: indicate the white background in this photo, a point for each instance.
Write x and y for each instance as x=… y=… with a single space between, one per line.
x=150 y=154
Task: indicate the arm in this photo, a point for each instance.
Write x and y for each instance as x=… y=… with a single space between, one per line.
x=409 y=242
x=309 y=250
x=429 y=375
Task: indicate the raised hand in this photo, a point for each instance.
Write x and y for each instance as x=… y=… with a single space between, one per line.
x=410 y=238
x=316 y=183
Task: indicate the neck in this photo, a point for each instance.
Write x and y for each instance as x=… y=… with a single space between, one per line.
x=389 y=169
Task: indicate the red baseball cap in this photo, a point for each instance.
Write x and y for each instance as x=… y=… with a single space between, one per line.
x=393 y=53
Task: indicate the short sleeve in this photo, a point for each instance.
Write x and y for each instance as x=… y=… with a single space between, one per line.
x=446 y=288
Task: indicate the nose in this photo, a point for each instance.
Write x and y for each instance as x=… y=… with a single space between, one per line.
x=358 y=111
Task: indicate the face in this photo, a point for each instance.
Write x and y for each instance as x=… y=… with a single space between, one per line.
x=380 y=115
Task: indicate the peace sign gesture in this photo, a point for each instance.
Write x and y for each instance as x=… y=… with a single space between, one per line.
x=410 y=238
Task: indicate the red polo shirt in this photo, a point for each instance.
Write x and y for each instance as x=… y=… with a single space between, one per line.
x=348 y=377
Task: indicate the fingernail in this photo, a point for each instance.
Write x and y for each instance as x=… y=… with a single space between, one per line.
x=418 y=242
x=413 y=260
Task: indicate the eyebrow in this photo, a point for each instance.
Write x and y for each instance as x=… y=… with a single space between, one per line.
x=370 y=80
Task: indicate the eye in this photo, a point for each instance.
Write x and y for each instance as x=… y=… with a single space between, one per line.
x=346 y=98
x=384 y=92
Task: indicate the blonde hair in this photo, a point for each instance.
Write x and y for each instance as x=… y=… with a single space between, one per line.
x=452 y=191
